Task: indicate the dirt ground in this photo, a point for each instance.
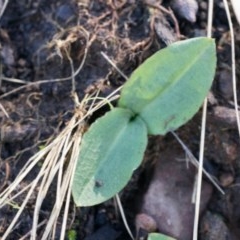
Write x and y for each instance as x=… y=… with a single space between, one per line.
x=39 y=39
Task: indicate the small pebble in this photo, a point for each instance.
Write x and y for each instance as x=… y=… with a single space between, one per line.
x=146 y=222
x=199 y=32
x=7 y=55
x=203 y=16
x=185 y=8
x=226 y=179
x=212 y=99
x=225 y=84
x=164 y=32
x=225 y=115
x=213 y=227
x=231 y=150
x=203 y=5
x=101 y=218
x=22 y=62
x=168 y=198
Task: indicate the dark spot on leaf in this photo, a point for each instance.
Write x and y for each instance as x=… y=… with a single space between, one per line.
x=98 y=183
x=133 y=117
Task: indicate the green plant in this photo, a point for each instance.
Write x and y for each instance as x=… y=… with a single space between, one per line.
x=72 y=234
x=159 y=236
x=161 y=95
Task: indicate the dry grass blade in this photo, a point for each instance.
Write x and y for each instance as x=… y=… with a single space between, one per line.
x=69 y=174
x=14 y=80
x=60 y=158
x=195 y=162
x=64 y=182
x=234 y=81
x=4 y=110
x=202 y=140
x=26 y=236
x=114 y=65
x=55 y=157
x=58 y=155
x=123 y=216
x=236 y=8
x=2 y=8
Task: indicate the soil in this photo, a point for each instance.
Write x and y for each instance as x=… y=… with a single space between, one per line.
x=39 y=40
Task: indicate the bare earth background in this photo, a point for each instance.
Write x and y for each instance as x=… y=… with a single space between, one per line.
x=37 y=40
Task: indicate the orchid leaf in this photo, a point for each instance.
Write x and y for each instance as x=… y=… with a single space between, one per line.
x=111 y=150
x=170 y=86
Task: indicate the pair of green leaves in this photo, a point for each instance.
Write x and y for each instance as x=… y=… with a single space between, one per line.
x=161 y=95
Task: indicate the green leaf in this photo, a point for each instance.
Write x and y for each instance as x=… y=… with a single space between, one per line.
x=72 y=234
x=111 y=150
x=170 y=86
x=159 y=236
